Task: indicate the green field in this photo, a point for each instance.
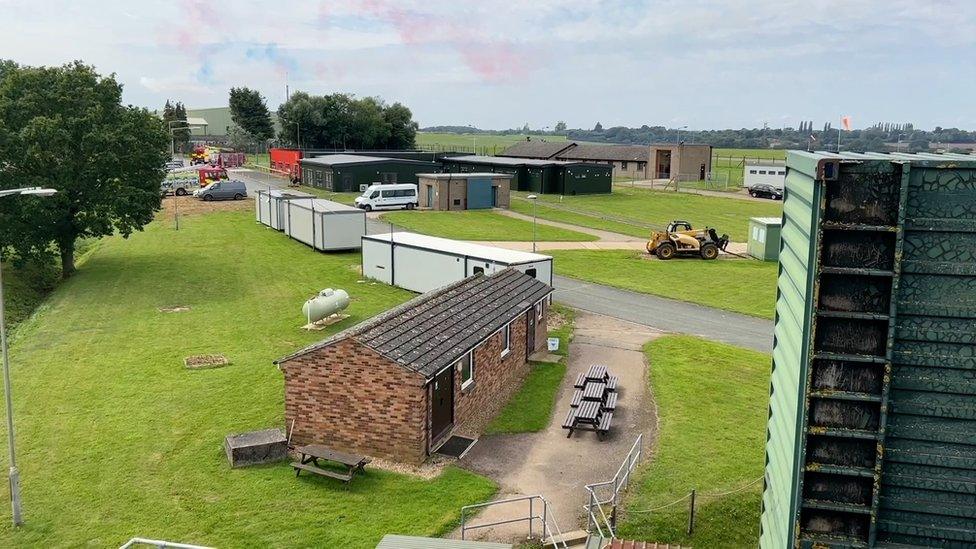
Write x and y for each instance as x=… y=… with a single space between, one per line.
x=637 y=211
x=117 y=439
x=729 y=163
x=481 y=225
x=530 y=409
x=738 y=285
x=711 y=401
x=480 y=143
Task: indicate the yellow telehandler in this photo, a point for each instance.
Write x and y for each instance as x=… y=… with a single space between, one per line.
x=680 y=239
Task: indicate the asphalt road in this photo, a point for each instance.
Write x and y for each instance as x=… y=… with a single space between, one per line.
x=655 y=312
x=666 y=314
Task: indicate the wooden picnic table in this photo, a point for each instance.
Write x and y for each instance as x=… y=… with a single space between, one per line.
x=595 y=391
x=312 y=453
x=593 y=402
x=597 y=372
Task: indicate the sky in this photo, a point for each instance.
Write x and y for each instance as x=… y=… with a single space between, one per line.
x=501 y=64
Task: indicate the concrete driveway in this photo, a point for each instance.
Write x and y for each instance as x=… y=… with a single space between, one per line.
x=557 y=467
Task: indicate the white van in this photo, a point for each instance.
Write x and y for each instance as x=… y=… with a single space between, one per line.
x=389 y=196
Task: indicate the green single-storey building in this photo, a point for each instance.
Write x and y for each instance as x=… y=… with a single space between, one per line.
x=539 y=176
x=764 y=232
x=351 y=172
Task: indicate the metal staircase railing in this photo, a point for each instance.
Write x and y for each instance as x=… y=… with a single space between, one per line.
x=596 y=517
x=551 y=535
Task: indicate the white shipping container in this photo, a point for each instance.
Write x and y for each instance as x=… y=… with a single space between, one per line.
x=422 y=263
x=769 y=174
x=323 y=225
x=269 y=206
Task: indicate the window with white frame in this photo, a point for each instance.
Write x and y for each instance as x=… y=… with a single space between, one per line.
x=506 y=339
x=467 y=369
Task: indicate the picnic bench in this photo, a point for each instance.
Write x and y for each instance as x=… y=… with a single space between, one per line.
x=593 y=402
x=312 y=453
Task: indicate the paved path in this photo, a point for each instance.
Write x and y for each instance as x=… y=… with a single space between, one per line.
x=604 y=236
x=557 y=467
x=666 y=314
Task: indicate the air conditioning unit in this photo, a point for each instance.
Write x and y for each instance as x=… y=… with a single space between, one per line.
x=363 y=187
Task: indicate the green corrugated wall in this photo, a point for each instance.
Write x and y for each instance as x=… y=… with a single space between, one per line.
x=872 y=428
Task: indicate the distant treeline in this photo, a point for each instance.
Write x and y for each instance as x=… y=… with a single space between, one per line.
x=880 y=137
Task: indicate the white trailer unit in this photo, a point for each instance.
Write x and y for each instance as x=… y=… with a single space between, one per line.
x=323 y=224
x=770 y=174
x=422 y=263
x=269 y=206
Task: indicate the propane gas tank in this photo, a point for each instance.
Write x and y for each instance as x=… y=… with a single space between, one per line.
x=328 y=302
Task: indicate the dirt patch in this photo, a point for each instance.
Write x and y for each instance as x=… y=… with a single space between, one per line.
x=431 y=468
x=194 y=206
x=174 y=309
x=554 y=320
x=203 y=362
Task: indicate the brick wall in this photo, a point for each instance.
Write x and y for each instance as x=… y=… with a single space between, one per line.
x=350 y=398
x=495 y=380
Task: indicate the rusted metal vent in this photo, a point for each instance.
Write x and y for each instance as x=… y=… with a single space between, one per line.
x=828 y=523
x=852 y=336
x=837 y=488
x=857 y=249
x=844 y=414
x=843 y=452
x=862 y=294
x=842 y=375
x=863 y=198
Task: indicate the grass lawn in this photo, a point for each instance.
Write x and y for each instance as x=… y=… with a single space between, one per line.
x=531 y=408
x=642 y=209
x=117 y=439
x=481 y=225
x=711 y=401
x=742 y=286
x=492 y=144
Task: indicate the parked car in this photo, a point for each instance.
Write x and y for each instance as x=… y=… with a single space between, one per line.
x=763 y=190
x=389 y=196
x=179 y=187
x=222 y=190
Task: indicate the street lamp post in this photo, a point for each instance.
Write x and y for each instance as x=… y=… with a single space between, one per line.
x=533 y=198
x=14 y=474
x=677 y=133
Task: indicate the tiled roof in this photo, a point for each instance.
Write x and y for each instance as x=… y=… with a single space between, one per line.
x=538 y=149
x=631 y=153
x=435 y=329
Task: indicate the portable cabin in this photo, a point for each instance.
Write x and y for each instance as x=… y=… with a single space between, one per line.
x=399 y=384
x=539 y=176
x=763 y=243
x=269 y=206
x=871 y=436
x=422 y=263
x=352 y=172
x=323 y=224
x=463 y=191
x=763 y=174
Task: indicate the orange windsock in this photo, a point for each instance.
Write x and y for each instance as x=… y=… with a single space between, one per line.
x=845 y=122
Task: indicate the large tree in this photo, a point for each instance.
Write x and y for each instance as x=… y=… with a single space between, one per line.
x=249 y=111
x=342 y=121
x=65 y=127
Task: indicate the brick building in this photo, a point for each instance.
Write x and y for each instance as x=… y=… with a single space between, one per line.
x=400 y=383
x=463 y=191
x=686 y=161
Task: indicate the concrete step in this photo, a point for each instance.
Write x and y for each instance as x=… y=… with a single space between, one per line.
x=576 y=538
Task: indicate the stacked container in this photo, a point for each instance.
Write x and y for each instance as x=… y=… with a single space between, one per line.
x=871 y=436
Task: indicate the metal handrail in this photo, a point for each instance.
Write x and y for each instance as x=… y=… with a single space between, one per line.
x=159 y=543
x=547 y=531
x=620 y=482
